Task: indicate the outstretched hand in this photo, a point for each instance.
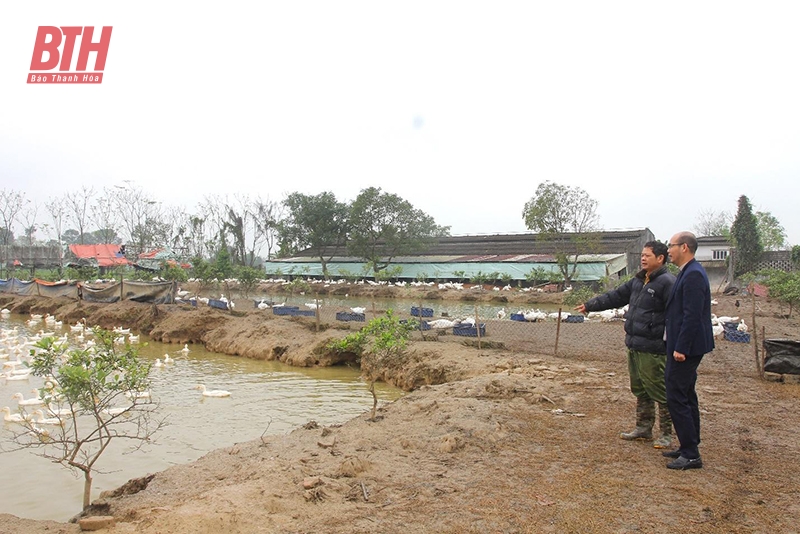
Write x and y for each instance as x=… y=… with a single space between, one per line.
x=581 y=308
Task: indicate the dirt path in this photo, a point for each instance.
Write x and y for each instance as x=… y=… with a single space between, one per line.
x=507 y=441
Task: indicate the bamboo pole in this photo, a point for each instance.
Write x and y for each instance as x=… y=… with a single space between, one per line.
x=316 y=310
x=558 y=331
x=755 y=337
x=478 y=326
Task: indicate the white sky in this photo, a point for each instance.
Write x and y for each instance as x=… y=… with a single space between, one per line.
x=657 y=110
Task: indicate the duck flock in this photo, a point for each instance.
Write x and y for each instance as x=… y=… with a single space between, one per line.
x=38 y=407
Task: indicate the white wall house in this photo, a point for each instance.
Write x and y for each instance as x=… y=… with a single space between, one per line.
x=712 y=253
x=712 y=248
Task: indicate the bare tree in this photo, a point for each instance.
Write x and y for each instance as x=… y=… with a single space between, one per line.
x=11 y=203
x=78 y=204
x=58 y=210
x=141 y=217
x=713 y=223
x=268 y=215
x=104 y=215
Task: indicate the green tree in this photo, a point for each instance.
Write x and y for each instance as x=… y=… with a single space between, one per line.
x=771 y=233
x=249 y=278
x=383 y=226
x=316 y=222
x=783 y=286
x=381 y=343
x=104 y=395
x=745 y=238
x=566 y=216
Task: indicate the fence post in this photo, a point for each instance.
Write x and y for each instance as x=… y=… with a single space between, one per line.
x=316 y=309
x=760 y=361
x=755 y=337
x=558 y=331
x=478 y=326
x=121 y=288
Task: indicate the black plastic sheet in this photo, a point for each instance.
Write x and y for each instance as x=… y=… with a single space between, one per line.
x=783 y=356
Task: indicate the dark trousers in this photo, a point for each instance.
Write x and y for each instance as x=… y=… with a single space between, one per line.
x=680 y=378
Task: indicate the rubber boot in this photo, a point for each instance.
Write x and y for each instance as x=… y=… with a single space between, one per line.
x=665 y=426
x=645 y=417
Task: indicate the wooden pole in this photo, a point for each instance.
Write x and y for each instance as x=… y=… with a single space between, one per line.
x=316 y=310
x=478 y=326
x=558 y=331
x=760 y=361
x=121 y=289
x=755 y=337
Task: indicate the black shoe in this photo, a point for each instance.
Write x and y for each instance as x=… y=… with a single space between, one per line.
x=685 y=463
x=672 y=454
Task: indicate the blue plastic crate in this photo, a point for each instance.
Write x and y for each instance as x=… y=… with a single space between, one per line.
x=304 y=313
x=219 y=304
x=469 y=330
x=284 y=310
x=730 y=327
x=737 y=337
x=347 y=316
x=426 y=312
x=517 y=317
x=574 y=319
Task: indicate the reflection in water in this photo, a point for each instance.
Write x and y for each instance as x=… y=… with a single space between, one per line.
x=266 y=397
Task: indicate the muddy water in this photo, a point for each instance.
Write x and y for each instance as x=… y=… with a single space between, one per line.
x=266 y=398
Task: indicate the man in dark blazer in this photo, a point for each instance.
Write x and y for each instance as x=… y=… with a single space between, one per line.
x=689 y=337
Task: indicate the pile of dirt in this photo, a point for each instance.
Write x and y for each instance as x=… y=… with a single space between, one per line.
x=500 y=441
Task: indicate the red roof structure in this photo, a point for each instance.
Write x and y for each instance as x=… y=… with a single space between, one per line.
x=105 y=255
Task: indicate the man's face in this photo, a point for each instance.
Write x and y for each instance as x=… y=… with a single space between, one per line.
x=677 y=250
x=649 y=260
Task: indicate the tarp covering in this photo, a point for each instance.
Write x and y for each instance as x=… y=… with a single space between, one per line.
x=98 y=255
x=783 y=356
x=157 y=292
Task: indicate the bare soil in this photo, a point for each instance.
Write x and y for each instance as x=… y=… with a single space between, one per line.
x=489 y=440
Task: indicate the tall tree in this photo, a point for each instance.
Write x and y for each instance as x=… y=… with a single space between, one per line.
x=58 y=212
x=104 y=214
x=269 y=215
x=78 y=203
x=11 y=203
x=770 y=231
x=317 y=222
x=713 y=223
x=383 y=226
x=745 y=238
x=141 y=218
x=568 y=216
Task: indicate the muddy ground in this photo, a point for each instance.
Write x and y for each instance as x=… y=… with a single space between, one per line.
x=489 y=440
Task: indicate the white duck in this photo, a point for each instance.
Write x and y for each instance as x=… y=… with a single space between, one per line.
x=137 y=394
x=167 y=359
x=358 y=309
x=212 y=392
x=501 y=314
x=717 y=329
x=158 y=363
x=185 y=349
x=42 y=420
x=742 y=327
x=22 y=401
x=133 y=339
x=9 y=417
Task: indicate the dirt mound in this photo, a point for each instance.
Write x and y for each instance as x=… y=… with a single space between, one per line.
x=501 y=441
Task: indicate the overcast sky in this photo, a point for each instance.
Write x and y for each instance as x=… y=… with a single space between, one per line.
x=657 y=110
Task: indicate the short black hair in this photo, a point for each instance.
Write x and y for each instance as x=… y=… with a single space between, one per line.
x=659 y=249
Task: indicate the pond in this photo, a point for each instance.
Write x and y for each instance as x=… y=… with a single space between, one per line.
x=266 y=398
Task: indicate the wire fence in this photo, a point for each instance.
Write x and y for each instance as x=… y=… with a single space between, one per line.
x=559 y=333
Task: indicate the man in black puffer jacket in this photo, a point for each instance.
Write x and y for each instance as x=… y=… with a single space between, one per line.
x=646 y=295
